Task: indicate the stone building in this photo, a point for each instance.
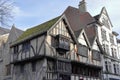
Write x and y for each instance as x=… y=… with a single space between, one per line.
x=6 y=38
x=118 y=44
x=3 y=40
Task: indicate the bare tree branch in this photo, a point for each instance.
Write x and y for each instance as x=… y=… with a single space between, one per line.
x=6 y=7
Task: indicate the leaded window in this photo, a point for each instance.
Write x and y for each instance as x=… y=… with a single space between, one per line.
x=116 y=68
x=83 y=50
x=64 y=66
x=96 y=55
x=61 y=43
x=103 y=33
x=106 y=48
x=106 y=66
x=111 y=38
x=112 y=51
x=110 y=67
x=85 y=71
x=114 y=65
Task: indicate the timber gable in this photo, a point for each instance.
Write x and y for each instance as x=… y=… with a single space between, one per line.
x=83 y=39
x=105 y=19
x=63 y=31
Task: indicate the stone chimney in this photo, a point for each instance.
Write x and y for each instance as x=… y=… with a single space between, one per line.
x=82 y=6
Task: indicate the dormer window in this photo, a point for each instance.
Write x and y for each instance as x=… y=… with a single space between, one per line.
x=26 y=46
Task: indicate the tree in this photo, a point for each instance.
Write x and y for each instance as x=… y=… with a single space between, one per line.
x=6 y=7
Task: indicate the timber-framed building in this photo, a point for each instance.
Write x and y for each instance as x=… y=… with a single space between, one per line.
x=68 y=47
x=55 y=50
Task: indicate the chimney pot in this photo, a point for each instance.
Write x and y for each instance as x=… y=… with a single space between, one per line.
x=82 y=6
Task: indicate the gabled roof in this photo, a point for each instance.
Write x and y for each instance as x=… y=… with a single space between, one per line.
x=97 y=20
x=14 y=34
x=92 y=36
x=82 y=31
x=99 y=15
x=77 y=19
x=4 y=31
x=77 y=33
x=29 y=33
x=91 y=33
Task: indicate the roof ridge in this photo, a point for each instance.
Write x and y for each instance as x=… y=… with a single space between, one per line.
x=37 y=30
x=13 y=29
x=43 y=23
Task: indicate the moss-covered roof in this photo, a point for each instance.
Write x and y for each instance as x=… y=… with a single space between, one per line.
x=37 y=29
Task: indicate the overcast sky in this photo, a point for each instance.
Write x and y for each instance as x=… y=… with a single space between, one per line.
x=29 y=13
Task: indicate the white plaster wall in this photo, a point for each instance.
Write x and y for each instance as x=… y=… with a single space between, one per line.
x=82 y=40
x=108 y=31
x=118 y=50
x=95 y=46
